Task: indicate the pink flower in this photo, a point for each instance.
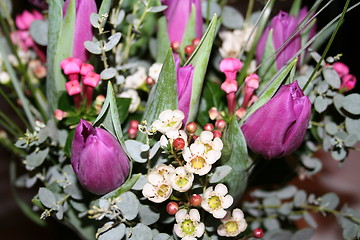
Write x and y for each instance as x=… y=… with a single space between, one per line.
x=91 y=79
x=230 y=66
x=341 y=68
x=348 y=82
x=23 y=21
x=73 y=87
x=85 y=68
x=71 y=65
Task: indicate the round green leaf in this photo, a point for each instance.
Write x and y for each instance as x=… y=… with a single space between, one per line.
x=351 y=103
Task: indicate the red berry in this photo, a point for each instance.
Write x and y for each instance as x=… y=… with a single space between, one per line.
x=134 y=124
x=258 y=233
x=179 y=143
x=172 y=208
x=209 y=127
x=189 y=49
x=220 y=124
x=191 y=127
x=149 y=81
x=195 y=200
x=195 y=42
x=132 y=132
x=217 y=133
x=175 y=46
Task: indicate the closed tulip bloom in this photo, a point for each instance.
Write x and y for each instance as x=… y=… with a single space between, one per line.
x=278 y=127
x=283 y=27
x=98 y=159
x=83 y=29
x=177 y=15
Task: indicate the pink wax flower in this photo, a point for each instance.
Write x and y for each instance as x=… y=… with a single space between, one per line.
x=177 y=15
x=71 y=67
x=83 y=29
x=85 y=68
x=348 y=82
x=341 y=68
x=278 y=127
x=98 y=159
x=91 y=79
x=230 y=66
x=251 y=84
x=283 y=27
x=73 y=87
x=23 y=21
x=184 y=79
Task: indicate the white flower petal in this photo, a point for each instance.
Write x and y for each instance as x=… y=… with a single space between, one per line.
x=221 y=189
x=177 y=230
x=237 y=214
x=206 y=136
x=180 y=215
x=217 y=144
x=219 y=213
x=194 y=215
x=227 y=201
x=200 y=229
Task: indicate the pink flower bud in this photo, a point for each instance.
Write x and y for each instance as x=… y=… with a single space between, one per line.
x=214 y=113
x=134 y=124
x=341 y=69
x=220 y=124
x=191 y=127
x=229 y=86
x=230 y=66
x=240 y=113
x=73 y=87
x=348 y=82
x=71 y=65
x=179 y=143
x=172 y=208
x=217 y=134
x=59 y=114
x=132 y=132
x=91 y=79
x=252 y=81
x=209 y=127
x=86 y=68
x=23 y=21
x=195 y=200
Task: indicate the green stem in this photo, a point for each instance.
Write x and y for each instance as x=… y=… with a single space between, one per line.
x=249 y=11
x=10 y=125
x=328 y=45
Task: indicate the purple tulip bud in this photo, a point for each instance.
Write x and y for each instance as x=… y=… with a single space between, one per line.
x=98 y=159
x=177 y=15
x=184 y=79
x=83 y=29
x=278 y=127
x=283 y=27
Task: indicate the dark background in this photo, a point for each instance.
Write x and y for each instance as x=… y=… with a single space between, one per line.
x=14 y=224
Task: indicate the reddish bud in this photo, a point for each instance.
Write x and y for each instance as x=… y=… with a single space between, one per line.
x=209 y=127
x=172 y=208
x=220 y=124
x=194 y=137
x=214 y=113
x=258 y=233
x=175 y=46
x=189 y=49
x=191 y=127
x=179 y=143
x=134 y=124
x=195 y=42
x=195 y=200
x=149 y=81
x=217 y=133
x=132 y=132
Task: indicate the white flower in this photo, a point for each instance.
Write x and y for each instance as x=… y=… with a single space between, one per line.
x=213 y=147
x=137 y=79
x=4 y=78
x=158 y=188
x=188 y=225
x=215 y=201
x=181 y=180
x=169 y=120
x=232 y=225
x=171 y=135
x=196 y=159
x=154 y=71
x=135 y=99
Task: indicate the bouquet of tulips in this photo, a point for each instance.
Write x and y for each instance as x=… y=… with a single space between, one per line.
x=153 y=119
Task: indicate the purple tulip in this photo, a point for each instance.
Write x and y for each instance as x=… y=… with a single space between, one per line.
x=177 y=15
x=83 y=29
x=98 y=159
x=283 y=27
x=278 y=127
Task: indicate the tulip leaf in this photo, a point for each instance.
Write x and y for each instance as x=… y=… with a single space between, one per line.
x=189 y=33
x=238 y=160
x=109 y=115
x=268 y=66
x=163 y=95
x=60 y=45
x=270 y=89
x=163 y=42
x=199 y=59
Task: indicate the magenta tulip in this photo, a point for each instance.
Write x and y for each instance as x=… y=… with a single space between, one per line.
x=283 y=27
x=177 y=15
x=98 y=159
x=184 y=79
x=278 y=127
x=83 y=29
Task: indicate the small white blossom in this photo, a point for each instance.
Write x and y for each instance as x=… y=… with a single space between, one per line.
x=215 y=201
x=232 y=225
x=181 y=180
x=158 y=188
x=188 y=225
x=154 y=71
x=171 y=135
x=168 y=120
x=4 y=78
x=137 y=79
x=135 y=99
x=213 y=146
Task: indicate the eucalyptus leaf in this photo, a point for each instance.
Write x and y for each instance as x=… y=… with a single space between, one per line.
x=47 y=197
x=303 y=234
x=113 y=40
x=271 y=223
x=115 y=233
x=94 y=20
x=157 y=9
x=39 y=31
x=108 y=73
x=310 y=220
x=232 y=18
x=332 y=77
x=214 y=8
x=320 y=104
x=148 y=214
x=353 y=126
x=133 y=148
x=140 y=232
x=36 y=158
x=329 y=201
x=93 y=47
x=351 y=103
x=128 y=205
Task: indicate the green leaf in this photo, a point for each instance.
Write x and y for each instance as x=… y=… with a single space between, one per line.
x=123 y=108
x=351 y=103
x=295 y=8
x=123 y=188
x=47 y=197
x=220 y=173
x=163 y=42
x=114 y=233
x=199 y=59
x=39 y=31
x=128 y=205
x=268 y=67
x=36 y=158
x=270 y=90
x=329 y=201
x=105 y=7
x=232 y=18
x=236 y=180
x=163 y=95
x=148 y=214
x=60 y=44
x=189 y=33
x=109 y=115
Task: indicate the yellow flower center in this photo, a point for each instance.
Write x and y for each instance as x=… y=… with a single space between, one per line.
x=162 y=190
x=198 y=162
x=181 y=182
x=214 y=202
x=231 y=227
x=187 y=226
